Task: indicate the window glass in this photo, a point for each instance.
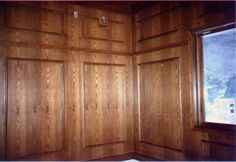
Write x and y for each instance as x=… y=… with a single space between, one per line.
x=219 y=73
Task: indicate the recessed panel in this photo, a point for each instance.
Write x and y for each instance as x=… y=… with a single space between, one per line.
x=35 y=107
x=114 y=31
x=159 y=97
x=152 y=27
x=35 y=19
x=104 y=101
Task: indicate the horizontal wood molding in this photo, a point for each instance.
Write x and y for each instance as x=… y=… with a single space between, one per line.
x=169 y=45
x=127 y=156
x=46 y=46
x=158 y=35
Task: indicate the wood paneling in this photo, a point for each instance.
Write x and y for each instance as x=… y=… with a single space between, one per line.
x=46 y=31
x=33 y=18
x=158 y=103
x=106 y=106
x=160 y=109
x=2 y=110
x=22 y=23
x=86 y=33
x=35 y=107
x=208 y=14
x=154 y=29
x=218 y=151
x=159 y=25
x=98 y=81
x=205 y=8
x=113 y=32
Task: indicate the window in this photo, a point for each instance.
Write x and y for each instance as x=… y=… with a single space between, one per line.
x=216 y=74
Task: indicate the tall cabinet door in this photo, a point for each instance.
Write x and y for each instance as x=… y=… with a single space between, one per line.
x=106 y=105
x=158 y=104
x=35 y=107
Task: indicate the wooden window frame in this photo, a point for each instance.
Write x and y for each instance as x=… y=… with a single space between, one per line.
x=199 y=80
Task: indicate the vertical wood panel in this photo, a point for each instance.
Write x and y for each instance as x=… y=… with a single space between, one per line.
x=158 y=101
x=160 y=115
x=35 y=108
x=104 y=116
x=106 y=105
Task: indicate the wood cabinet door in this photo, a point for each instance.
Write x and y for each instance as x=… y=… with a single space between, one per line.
x=158 y=104
x=35 y=107
x=106 y=106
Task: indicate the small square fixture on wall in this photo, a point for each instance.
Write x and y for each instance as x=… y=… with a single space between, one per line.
x=103 y=20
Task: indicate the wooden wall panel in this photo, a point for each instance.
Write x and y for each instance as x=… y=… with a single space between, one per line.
x=72 y=101
x=151 y=28
x=218 y=151
x=54 y=34
x=33 y=18
x=35 y=107
x=29 y=56
x=160 y=109
x=191 y=16
x=85 y=32
x=160 y=25
x=106 y=106
x=160 y=32
x=158 y=104
x=207 y=14
x=113 y=32
x=37 y=26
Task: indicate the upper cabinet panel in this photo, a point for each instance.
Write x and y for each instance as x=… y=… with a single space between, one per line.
x=35 y=19
x=151 y=27
x=208 y=14
x=160 y=25
x=34 y=25
x=87 y=32
x=114 y=31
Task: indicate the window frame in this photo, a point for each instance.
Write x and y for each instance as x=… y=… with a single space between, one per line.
x=199 y=79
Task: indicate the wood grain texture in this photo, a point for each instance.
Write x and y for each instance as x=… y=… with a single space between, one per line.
x=114 y=32
x=32 y=24
x=85 y=32
x=160 y=109
x=154 y=38
x=106 y=113
x=158 y=25
x=208 y=14
x=218 y=151
x=35 y=109
x=33 y=18
x=158 y=104
x=104 y=88
x=2 y=109
x=155 y=30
